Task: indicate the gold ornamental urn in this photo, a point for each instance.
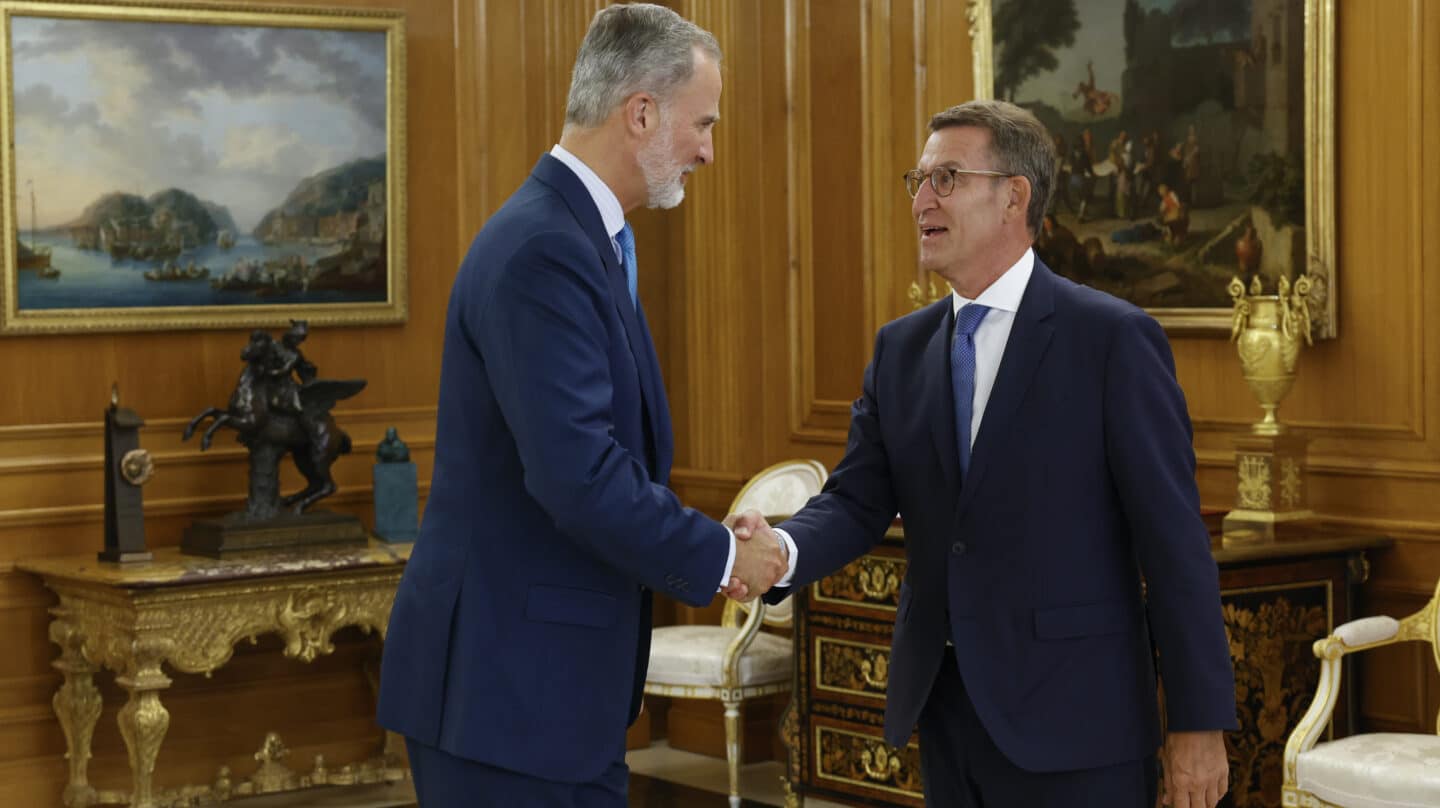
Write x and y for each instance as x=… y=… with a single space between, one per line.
x=1270 y=461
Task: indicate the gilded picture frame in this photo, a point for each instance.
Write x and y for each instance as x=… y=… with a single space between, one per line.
x=1209 y=141
x=183 y=165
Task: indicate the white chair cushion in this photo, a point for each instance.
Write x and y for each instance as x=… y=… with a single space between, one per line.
x=1378 y=770
x=1367 y=630
x=692 y=655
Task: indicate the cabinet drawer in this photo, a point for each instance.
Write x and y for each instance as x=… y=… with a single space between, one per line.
x=851 y=668
x=870 y=583
x=854 y=759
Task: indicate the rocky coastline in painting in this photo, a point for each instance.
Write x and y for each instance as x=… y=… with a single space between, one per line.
x=324 y=242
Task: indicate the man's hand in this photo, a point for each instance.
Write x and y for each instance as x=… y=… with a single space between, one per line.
x=761 y=558
x=1197 y=772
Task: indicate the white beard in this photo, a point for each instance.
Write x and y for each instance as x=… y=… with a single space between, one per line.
x=662 y=172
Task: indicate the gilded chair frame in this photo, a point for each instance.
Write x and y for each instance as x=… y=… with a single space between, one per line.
x=1352 y=637
x=731 y=692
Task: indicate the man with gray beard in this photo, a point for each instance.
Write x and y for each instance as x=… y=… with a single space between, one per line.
x=520 y=634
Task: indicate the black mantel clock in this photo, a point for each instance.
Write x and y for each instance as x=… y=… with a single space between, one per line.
x=127 y=467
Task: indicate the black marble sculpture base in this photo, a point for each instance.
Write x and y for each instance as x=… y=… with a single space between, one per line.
x=232 y=533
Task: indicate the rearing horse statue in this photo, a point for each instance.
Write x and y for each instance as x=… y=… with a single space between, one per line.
x=270 y=430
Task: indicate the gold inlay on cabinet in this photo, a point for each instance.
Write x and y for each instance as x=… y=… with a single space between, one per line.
x=870 y=580
x=1271 y=628
x=865 y=760
x=856 y=668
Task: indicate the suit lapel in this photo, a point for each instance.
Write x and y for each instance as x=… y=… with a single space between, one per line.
x=939 y=396
x=557 y=175
x=659 y=407
x=1029 y=338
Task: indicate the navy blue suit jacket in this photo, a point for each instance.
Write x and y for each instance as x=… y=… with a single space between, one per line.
x=1081 y=476
x=520 y=632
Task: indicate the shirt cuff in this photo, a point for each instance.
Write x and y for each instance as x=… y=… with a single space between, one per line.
x=794 y=556
x=729 y=562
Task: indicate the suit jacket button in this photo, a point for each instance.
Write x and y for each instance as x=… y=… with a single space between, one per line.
x=958 y=548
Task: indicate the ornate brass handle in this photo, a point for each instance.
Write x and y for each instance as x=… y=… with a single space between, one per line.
x=137 y=466
x=878 y=583
x=879 y=764
x=876 y=669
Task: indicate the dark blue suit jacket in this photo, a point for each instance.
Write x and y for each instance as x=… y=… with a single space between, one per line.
x=520 y=632
x=1082 y=476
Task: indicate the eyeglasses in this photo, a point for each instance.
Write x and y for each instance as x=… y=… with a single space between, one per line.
x=943 y=178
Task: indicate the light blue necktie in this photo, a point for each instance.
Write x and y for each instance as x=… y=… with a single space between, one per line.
x=962 y=376
x=626 y=239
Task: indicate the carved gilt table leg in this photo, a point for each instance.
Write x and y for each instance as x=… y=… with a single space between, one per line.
x=77 y=705
x=144 y=720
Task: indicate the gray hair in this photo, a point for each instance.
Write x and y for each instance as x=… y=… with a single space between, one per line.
x=632 y=48
x=1019 y=143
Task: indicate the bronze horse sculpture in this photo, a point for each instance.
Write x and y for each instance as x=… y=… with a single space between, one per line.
x=269 y=425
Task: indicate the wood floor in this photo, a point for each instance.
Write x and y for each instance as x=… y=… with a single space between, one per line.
x=646 y=792
x=660 y=777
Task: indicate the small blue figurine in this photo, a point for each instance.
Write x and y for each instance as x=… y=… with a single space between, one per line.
x=397 y=491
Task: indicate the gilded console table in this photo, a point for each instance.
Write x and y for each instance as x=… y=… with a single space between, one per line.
x=1276 y=598
x=188 y=613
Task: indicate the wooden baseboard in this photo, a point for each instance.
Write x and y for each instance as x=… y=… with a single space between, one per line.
x=638 y=736
x=698 y=726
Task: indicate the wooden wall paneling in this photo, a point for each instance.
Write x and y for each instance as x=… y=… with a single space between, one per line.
x=772 y=297
x=833 y=311
x=877 y=133
x=798 y=333
x=474 y=97
x=891 y=205
x=504 y=130
x=1360 y=395
x=714 y=223
x=52 y=489
x=893 y=84
x=1400 y=685
x=50 y=478
x=696 y=725
x=943 y=26
x=793 y=222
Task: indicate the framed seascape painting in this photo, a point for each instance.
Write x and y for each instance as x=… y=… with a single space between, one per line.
x=1195 y=142
x=178 y=165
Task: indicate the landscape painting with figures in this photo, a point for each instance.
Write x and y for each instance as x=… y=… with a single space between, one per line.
x=1180 y=126
x=194 y=167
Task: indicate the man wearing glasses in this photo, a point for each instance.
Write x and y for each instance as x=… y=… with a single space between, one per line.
x=1033 y=437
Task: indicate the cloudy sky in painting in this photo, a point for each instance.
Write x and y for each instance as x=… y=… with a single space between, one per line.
x=1101 y=40
x=235 y=115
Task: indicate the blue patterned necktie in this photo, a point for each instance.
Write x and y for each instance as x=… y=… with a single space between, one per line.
x=962 y=376
x=626 y=239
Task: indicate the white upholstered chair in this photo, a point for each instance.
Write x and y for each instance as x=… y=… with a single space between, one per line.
x=1375 y=770
x=735 y=660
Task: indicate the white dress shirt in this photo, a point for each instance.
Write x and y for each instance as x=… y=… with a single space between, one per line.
x=611 y=214
x=1003 y=298
x=613 y=217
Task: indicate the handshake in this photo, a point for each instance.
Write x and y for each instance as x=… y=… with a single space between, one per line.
x=761 y=556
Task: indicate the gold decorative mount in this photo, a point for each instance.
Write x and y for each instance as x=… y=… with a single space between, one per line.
x=869 y=580
x=921 y=297
x=1270 y=462
x=270 y=777
x=854 y=758
x=151 y=620
x=1267 y=330
x=137 y=466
